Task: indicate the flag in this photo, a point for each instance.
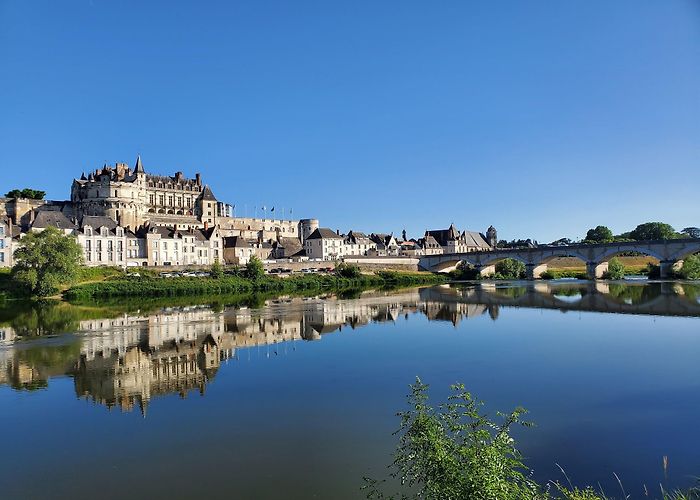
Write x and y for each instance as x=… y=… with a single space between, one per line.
x=272 y=209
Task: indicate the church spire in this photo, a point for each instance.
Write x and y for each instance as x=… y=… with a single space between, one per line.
x=138 y=169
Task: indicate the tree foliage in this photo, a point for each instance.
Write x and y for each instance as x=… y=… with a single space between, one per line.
x=616 y=269
x=254 y=269
x=653 y=231
x=691 y=268
x=691 y=232
x=216 y=271
x=347 y=270
x=599 y=234
x=32 y=194
x=510 y=269
x=456 y=451
x=46 y=260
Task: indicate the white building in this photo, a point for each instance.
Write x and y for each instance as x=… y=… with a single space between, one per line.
x=358 y=243
x=6 y=248
x=324 y=244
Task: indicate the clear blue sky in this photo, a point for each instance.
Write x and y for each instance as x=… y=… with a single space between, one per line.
x=542 y=118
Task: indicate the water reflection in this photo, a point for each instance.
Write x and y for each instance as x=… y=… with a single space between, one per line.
x=126 y=359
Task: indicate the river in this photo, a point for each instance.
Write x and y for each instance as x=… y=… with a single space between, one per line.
x=296 y=397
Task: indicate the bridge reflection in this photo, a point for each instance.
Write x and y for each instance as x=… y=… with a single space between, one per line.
x=128 y=360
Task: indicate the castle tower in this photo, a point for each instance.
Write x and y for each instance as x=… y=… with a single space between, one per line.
x=492 y=237
x=306 y=227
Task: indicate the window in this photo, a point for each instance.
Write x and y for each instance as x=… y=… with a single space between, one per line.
x=2 y=231
x=152 y=199
x=170 y=201
x=161 y=199
x=2 y=243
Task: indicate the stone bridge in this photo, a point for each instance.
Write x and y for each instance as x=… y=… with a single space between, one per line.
x=671 y=299
x=670 y=254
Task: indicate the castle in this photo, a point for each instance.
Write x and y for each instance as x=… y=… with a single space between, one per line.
x=133 y=198
x=123 y=216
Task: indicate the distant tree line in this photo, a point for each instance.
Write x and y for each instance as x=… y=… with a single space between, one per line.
x=646 y=231
x=32 y=194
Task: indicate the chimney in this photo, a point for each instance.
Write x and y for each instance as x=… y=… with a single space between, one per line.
x=206 y=225
x=337 y=231
x=198 y=178
x=178 y=176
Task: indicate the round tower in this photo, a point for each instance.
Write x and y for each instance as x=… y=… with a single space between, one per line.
x=306 y=227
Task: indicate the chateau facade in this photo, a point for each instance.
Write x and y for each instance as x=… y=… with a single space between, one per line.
x=133 y=198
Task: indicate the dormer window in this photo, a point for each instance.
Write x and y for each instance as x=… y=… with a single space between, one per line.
x=88 y=231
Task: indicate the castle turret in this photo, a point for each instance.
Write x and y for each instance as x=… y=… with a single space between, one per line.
x=306 y=227
x=138 y=169
x=492 y=237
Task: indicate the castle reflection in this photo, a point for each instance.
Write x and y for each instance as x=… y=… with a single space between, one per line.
x=128 y=360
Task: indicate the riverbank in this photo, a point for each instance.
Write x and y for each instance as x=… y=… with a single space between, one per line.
x=154 y=287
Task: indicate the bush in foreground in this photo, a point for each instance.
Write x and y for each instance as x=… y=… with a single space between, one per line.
x=455 y=452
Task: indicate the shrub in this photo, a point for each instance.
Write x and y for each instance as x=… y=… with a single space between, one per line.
x=254 y=269
x=691 y=268
x=455 y=451
x=216 y=271
x=347 y=270
x=616 y=270
x=510 y=269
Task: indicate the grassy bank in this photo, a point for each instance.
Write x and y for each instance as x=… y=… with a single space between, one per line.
x=146 y=286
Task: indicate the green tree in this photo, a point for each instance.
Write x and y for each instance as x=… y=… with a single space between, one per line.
x=599 y=234
x=691 y=232
x=653 y=231
x=254 y=269
x=616 y=269
x=691 y=268
x=510 y=269
x=347 y=270
x=216 y=271
x=46 y=260
x=32 y=194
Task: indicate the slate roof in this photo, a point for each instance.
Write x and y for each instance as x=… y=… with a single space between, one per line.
x=138 y=169
x=235 y=242
x=324 y=233
x=442 y=236
x=98 y=221
x=52 y=218
x=207 y=194
x=474 y=239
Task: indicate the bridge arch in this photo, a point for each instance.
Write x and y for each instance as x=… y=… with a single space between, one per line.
x=614 y=252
